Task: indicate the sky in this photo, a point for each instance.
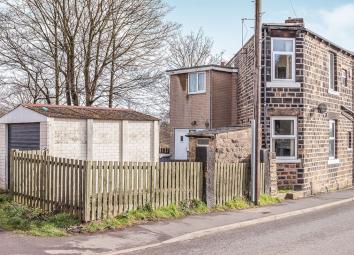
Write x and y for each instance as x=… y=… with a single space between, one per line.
x=221 y=19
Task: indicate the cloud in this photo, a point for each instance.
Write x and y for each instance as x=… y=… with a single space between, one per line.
x=336 y=24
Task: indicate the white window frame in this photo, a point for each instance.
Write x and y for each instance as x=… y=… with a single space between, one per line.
x=344 y=77
x=203 y=145
x=198 y=91
x=331 y=71
x=292 y=54
x=332 y=122
x=279 y=159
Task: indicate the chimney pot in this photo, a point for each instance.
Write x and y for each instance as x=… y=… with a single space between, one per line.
x=222 y=63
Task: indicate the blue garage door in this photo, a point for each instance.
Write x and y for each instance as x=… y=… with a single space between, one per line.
x=23 y=136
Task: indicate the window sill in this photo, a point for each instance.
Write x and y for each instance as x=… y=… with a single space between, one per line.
x=287 y=161
x=196 y=93
x=333 y=92
x=333 y=161
x=283 y=84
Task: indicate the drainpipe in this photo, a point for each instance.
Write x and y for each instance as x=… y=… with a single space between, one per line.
x=210 y=99
x=265 y=108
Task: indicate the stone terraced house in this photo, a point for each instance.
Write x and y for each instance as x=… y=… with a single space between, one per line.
x=306 y=104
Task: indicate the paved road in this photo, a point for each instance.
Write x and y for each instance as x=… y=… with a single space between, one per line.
x=329 y=231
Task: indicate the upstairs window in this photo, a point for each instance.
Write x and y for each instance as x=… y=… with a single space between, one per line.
x=332 y=139
x=332 y=72
x=345 y=77
x=196 y=83
x=283 y=59
x=284 y=137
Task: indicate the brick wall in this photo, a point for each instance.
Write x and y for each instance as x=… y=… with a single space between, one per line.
x=187 y=108
x=221 y=98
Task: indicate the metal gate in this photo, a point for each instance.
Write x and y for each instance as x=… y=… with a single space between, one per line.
x=23 y=136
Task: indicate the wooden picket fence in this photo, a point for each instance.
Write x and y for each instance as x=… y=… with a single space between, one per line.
x=231 y=180
x=97 y=190
x=49 y=183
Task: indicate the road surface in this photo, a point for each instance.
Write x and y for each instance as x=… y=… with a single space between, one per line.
x=330 y=231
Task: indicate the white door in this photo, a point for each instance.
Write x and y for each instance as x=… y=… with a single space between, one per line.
x=181 y=144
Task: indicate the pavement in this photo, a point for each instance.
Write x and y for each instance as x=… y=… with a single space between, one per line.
x=329 y=231
x=152 y=237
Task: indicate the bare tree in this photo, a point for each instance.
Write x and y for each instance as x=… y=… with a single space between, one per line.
x=78 y=51
x=193 y=49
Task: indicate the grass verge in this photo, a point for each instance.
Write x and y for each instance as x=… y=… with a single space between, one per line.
x=19 y=218
x=268 y=200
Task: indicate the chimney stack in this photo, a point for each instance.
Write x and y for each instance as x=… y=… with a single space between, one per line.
x=222 y=63
x=295 y=21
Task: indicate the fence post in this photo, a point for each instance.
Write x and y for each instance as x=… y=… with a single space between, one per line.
x=266 y=161
x=12 y=168
x=273 y=176
x=43 y=179
x=270 y=173
x=208 y=180
x=87 y=190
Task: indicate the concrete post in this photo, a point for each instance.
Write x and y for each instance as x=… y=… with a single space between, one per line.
x=124 y=141
x=89 y=139
x=155 y=142
x=208 y=182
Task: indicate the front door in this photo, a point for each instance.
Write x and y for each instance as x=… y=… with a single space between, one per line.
x=181 y=144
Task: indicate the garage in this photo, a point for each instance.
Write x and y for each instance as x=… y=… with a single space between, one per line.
x=78 y=132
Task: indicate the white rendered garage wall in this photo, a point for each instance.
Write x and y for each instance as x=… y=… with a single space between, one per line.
x=67 y=138
x=143 y=141
x=106 y=140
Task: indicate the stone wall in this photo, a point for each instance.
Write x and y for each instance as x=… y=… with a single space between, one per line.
x=312 y=171
x=234 y=146
x=321 y=174
x=229 y=147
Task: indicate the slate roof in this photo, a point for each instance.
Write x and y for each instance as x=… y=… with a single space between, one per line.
x=85 y=112
x=210 y=133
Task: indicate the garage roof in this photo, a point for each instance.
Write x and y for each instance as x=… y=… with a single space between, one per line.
x=85 y=112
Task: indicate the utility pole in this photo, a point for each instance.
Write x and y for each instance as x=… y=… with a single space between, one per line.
x=257 y=93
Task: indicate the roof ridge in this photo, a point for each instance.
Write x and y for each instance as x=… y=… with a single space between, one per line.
x=77 y=107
